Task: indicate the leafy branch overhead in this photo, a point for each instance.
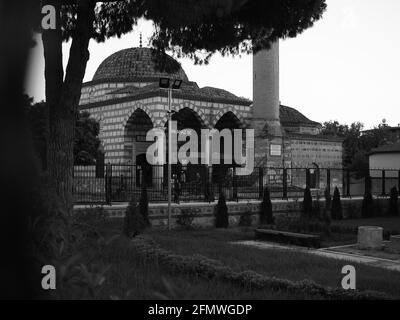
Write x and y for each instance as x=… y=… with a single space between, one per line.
x=198 y=29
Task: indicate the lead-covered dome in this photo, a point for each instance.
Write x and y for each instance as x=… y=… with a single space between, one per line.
x=134 y=64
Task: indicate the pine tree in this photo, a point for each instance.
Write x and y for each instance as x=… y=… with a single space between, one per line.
x=337 y=211
x=222 y=218
x=266 y=214
x=307 y=203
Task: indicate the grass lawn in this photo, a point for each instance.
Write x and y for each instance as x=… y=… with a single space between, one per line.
x=129 y=276
x=295 y=266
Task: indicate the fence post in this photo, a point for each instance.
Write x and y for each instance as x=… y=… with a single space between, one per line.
x=328 y=180
x=260 y=182
x=234 y=185
x=108 y=183
x=383 y=183
x=285 y=187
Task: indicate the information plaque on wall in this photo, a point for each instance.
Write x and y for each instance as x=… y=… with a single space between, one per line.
x=275 y=150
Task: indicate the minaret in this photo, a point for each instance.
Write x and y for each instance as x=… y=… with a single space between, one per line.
x=266 y=89
x=266 y=104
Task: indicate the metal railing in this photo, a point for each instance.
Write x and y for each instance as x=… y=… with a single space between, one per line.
x=196 y=183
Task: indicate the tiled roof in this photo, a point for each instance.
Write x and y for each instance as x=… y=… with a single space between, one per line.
x=291 y=117
x=188 y=90
x=134 y=63
x=389 y=148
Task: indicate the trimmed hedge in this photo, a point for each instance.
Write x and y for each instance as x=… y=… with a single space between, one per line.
x=203 y=267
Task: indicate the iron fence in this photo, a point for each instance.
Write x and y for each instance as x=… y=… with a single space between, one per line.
x=119 y=183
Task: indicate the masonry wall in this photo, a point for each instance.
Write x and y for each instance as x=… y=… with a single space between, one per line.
x=205 y=211
x=114 y=117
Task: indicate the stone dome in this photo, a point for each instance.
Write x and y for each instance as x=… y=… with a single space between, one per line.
x=137 y=64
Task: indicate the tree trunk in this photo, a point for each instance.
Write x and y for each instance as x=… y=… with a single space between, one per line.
x=63 y=102
x=19 y=277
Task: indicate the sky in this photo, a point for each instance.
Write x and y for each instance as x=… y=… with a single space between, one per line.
x=346 y=67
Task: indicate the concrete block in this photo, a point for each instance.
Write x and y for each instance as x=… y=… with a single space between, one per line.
x=370 y=238
x=395 y=243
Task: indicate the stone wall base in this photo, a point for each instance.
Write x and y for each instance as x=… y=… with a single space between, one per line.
x=204 y=212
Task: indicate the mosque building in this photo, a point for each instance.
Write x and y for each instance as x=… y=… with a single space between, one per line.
x=125 y=97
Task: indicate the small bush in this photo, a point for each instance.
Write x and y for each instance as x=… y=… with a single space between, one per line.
x=186 y=218
x=393 y=202
x=353 y=213
x=337 y=211
x=246 y=219
x=266 y=214
x=307 y=203
x=368 y=206
x=222 y=218
x=144 y=206
x=134 y=222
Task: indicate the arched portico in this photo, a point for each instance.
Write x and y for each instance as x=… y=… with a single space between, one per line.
x=231 y=122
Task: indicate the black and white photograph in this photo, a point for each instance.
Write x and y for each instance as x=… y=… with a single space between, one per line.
x=200 y=157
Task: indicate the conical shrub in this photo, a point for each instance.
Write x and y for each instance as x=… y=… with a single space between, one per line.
x=266 y=214
x=222 y=218
x=337 y=211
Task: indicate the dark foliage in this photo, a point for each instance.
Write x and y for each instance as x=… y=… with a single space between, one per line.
x=186 y=218
x=266 y=214
x=307 y=203
x=86 y=144
x=134 y=222
x=394 y=202
x=337 y=210
x=368 y=206
x=221 y=214
x=358 y=143
x=185 y=26
x=246 y=219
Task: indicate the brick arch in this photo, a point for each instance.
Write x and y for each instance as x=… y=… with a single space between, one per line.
x=196 y=109
x=225 y=110
x=142 y=107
